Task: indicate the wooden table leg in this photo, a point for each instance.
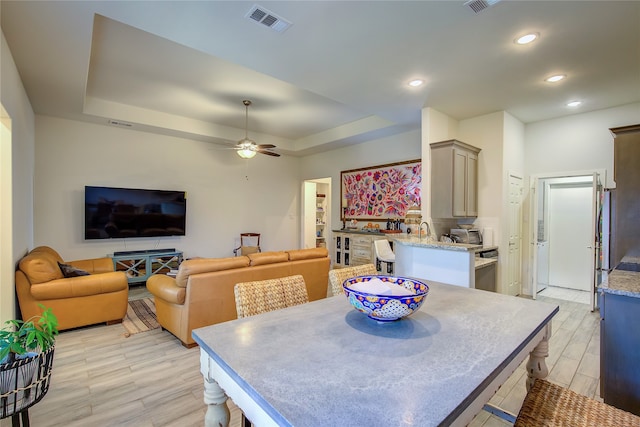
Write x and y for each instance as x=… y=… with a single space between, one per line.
x=217 y=411
x=214 y=397
x=536 y=366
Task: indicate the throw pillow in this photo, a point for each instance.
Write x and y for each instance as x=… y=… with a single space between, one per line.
x=71 y=271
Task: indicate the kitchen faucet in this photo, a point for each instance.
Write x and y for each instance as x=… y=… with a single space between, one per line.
x=420 y=230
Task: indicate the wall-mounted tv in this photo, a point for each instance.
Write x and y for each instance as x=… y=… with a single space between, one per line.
x=129 y=212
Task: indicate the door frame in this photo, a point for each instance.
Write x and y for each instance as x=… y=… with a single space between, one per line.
x=308 y=215
x=511 y=269
x=533 y=206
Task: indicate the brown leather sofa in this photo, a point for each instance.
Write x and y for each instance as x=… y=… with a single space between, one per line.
x=77 y=301
x=201 y=294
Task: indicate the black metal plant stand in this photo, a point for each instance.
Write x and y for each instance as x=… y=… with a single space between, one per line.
x=23 y=383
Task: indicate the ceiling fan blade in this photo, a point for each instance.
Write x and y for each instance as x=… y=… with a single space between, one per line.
x=269 y=153
x=262 y=146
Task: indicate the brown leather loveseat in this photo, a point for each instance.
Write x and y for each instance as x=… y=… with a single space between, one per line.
x=201 y=294
x=76 y=301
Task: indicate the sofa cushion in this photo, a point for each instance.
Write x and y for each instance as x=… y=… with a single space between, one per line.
x=47 y=250
x=205 y=265
x=74 y=287
x=298 y=254
x=71 y=271
x=40 y=267
x=165 y=288
x=263 y=258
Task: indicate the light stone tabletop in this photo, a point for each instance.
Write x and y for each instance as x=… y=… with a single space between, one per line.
x=325 y=364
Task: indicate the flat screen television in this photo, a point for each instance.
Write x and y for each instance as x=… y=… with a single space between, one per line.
x=130 y=212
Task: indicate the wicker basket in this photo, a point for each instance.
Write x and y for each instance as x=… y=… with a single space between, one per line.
x=24 y=383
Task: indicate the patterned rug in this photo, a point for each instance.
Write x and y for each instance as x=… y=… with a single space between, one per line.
x=141 y=317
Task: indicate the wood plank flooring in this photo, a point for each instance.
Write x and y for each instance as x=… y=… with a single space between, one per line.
x=100 y=378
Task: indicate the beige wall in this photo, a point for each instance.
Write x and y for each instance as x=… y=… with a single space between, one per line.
x=226 y=195
x=574 y=144
x=17 y=201
x=405 y=146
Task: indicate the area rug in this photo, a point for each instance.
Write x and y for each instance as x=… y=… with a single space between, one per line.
x=141 y=317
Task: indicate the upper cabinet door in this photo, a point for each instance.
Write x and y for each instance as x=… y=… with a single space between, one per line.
x=454 y=179
x=460 y=192
x=472 y=184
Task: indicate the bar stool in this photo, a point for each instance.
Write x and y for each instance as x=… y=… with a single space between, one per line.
x=548 y=404
x=338 y=276
x=385 y=254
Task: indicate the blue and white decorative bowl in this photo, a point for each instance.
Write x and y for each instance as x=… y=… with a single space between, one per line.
x=386 y=308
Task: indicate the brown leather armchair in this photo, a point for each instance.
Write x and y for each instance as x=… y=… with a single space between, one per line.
x=77 y=301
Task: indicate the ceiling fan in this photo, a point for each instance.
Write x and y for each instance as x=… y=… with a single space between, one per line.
x=247 y=148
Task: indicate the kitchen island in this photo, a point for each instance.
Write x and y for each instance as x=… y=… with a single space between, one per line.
x=451 y=263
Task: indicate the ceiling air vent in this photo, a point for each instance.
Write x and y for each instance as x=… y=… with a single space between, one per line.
x=120 y=123
x=479 y=5
x=267 y=18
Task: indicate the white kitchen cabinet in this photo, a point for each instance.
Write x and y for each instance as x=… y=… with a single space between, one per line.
x=454 y=179
x=354 y=248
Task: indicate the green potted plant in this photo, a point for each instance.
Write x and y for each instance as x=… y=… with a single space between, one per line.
x=26 y=359
x=20 y=338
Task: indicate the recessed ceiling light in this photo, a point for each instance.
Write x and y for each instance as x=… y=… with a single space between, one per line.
x=527 y=38
x=555 y=78
x=574 y=103
x=416 y=83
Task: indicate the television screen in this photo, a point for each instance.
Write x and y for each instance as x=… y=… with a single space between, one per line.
x=129 y=212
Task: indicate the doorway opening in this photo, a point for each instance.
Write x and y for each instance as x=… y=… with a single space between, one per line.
x=566 y=236
x=316 y=209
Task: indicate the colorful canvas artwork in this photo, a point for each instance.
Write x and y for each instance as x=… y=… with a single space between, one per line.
x=381 y=192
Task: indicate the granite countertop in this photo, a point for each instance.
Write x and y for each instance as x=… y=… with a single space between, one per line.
x=621 y=282
x=485 y=262
x=360 y=231
x=413 y=240
x=424 y=243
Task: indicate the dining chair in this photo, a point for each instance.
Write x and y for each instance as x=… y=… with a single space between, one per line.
x=249 y=244
x=339 y=275
x=549 y=404
x=268 y=295
x=262 y=296
x=385 y=254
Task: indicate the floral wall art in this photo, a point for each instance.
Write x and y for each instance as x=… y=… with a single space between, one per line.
x=381 y=192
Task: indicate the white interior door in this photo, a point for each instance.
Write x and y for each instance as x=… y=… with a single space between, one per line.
x=539 y=235
x=514 y=274
x=543 y=265
x=570 y=235
x=534 y=202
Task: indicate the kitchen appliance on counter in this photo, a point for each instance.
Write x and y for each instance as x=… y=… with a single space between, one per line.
x=469 y=236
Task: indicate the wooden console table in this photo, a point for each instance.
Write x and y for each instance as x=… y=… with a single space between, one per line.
x=140 y=265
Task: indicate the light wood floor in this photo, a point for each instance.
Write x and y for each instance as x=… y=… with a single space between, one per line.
x=100 y=378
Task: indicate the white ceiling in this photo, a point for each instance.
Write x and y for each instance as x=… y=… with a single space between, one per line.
x=338 y=75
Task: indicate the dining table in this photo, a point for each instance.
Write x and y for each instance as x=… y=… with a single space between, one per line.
x=324 y=363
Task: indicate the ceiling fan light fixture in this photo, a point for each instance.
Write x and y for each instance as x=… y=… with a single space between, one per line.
x=247 y=148
x=246 y=153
